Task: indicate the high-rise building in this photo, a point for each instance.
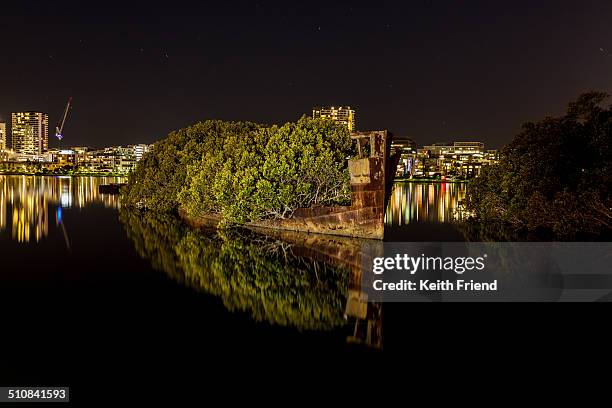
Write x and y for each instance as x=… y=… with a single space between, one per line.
x=2 y=136
x=341 y=114
x=30 y=132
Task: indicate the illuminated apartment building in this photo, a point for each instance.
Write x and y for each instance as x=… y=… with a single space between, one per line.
x=30 y=133
x=407 y=149
x=2 y=136
x=452 y=160
x=341 y=114
x=140 y=150
x=456 y=148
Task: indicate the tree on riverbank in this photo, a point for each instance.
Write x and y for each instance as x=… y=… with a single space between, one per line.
x=555 y=176
x=244 y=171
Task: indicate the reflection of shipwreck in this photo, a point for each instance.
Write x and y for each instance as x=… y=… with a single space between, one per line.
x=366 y=316
x=372 y=174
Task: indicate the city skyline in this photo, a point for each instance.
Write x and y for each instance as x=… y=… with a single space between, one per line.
x=420 y=69
x=344 y=115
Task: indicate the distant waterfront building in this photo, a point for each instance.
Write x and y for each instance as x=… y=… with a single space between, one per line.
x=453 y=160
x=2 y=136
x=114 y=159
x=491 y=157
x=456 y=148
x=341 y=114
x=140 y=150
x=403 y=144
x=78 y=160
x=406 y=148
x=30 y=132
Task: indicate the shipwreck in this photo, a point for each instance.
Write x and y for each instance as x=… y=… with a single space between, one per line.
x=371 y=177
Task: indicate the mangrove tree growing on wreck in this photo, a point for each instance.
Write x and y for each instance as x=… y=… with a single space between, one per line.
x=244 y=171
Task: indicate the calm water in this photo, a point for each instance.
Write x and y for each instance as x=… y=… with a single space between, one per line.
x=29 y=205
x=97 y=298
x=90 y=286
x=79 y=273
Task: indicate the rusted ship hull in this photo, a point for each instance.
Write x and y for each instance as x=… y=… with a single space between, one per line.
x=371 y=182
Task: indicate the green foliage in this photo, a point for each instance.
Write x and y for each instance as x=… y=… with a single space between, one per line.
x=250 y=273
x=161 y=173
x=244 y=171
x=304 y=165
x=224 y=179
x=555 y=176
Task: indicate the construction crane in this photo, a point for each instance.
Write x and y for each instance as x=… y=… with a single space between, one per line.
x=60 y=128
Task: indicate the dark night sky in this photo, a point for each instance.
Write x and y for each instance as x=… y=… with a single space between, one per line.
x=432 y=70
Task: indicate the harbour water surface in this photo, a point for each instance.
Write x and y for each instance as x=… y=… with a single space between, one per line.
x=78 y=271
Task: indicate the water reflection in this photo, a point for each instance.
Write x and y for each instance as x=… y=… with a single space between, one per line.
x=305 y=281
x=424 y=202
x=28 y=204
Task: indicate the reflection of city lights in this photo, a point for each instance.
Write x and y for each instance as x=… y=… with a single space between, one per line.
x=66 y=199
x=27 y=200
x=419 y=202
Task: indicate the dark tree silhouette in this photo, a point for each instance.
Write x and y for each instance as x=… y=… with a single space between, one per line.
x=554 y=177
